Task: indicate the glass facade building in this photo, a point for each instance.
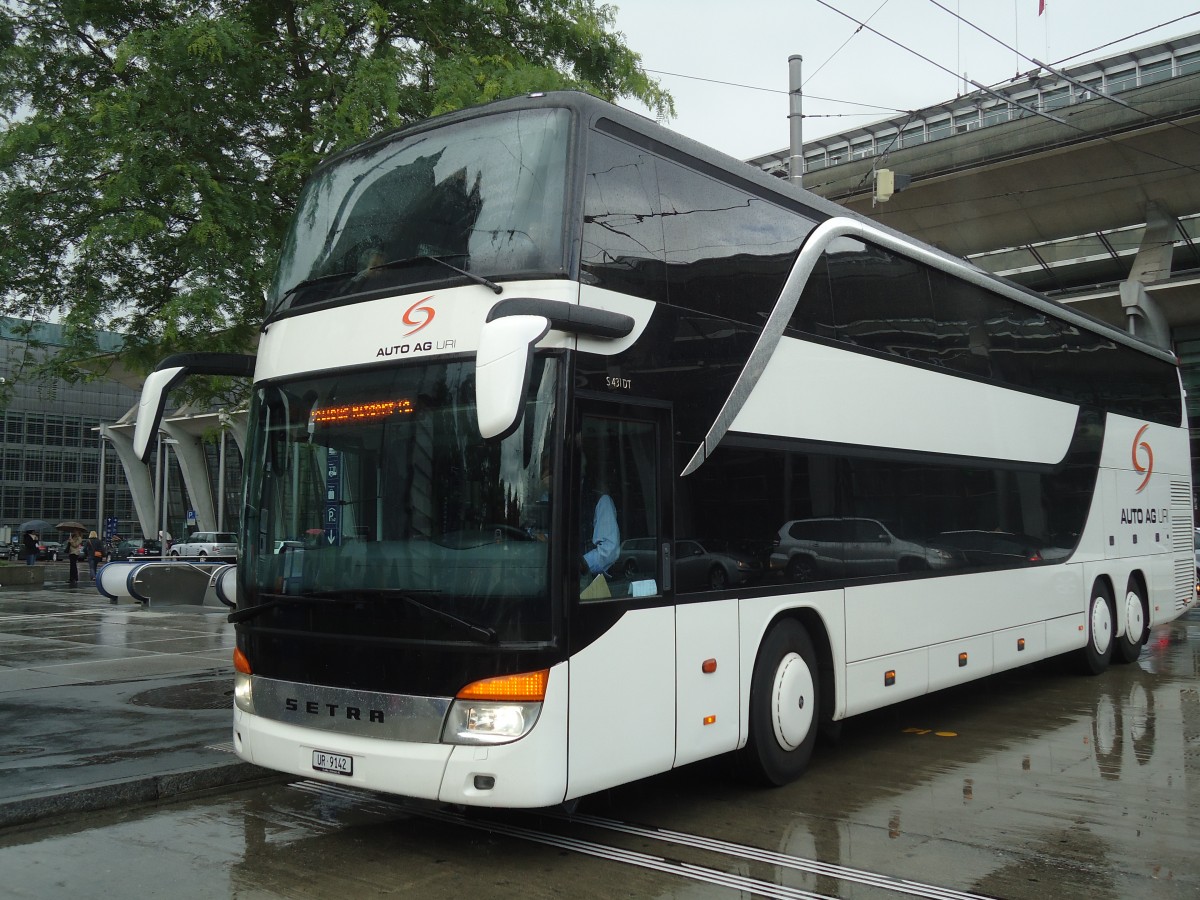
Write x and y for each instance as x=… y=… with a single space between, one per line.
x=52 y=446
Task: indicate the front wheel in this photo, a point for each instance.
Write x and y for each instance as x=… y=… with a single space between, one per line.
x=1128 y=647
x=718 y=579
x=1096 y=655
x=784 y=706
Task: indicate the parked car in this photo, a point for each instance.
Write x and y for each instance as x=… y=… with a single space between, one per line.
x=708 y=565
x=806 y=549
x=205 y=545
x=137 y=548
x=51 y=550
x=992 y=549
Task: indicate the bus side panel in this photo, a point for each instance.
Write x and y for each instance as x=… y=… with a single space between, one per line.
x=1018 y=646
x=531 y=772
x=894 y=617
x=904 y=407
x=1066 y=634
x=622 y=703
x=707 y=702
x=957 y=661
x=878 y=682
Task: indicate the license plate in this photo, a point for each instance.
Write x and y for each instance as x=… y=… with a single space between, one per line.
x=333 y=762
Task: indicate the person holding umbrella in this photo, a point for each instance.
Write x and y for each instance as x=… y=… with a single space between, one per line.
x=30 y=532
x=29 y=547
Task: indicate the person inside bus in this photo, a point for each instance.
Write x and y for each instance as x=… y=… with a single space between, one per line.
x=599 y=530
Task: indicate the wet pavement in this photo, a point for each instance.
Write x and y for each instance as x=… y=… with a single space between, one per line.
x=1030 y=784
x=105 y=703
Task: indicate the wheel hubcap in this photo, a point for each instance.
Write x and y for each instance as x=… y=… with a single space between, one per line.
x=793 y=701
x=1101 y=625
x=1135 y=622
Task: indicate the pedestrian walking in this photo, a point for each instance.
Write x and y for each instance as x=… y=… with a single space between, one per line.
x=74 y=552
x=29 y=547
x=93 y=549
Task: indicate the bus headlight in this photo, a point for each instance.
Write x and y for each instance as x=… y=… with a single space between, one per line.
x=496 y=710
x=474 y=722
x=243 y=692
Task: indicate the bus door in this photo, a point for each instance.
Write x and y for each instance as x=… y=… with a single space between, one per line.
x=621 y=615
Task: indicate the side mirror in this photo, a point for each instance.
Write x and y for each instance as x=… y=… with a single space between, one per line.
x=502 y=369
x=170 y=372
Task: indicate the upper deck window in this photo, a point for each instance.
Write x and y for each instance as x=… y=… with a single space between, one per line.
x=484 y=195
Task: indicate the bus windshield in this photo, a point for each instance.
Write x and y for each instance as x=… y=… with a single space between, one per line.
x=372 y=490
x=485 y=196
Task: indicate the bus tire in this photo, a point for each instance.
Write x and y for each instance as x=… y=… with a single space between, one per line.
x=1096 y=654
x=1128 y=647
x=784 y=706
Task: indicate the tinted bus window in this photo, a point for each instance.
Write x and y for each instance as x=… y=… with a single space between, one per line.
x=728 y=252
x=622 y=226
x=881 y=301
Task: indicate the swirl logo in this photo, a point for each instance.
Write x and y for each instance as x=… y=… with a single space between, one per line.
x=1143 y=458
x=423 y=315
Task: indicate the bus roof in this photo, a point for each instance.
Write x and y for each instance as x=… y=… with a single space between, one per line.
x=592 y=109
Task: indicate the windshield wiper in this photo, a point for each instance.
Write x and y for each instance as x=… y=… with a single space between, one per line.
x=441 y=261
x=296 y=288
x=241 y=615
x=390 y=264
x=482 y=633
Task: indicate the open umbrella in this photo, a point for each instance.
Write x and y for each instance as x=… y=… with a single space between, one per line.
x=70 y=526
x=38 y=525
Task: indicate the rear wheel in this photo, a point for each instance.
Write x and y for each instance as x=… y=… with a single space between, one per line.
x=1095 y=656
x=1128 y=647
x=784 y=705
x=800 y=568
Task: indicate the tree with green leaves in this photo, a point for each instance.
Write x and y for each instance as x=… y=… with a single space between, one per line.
x=152 y=150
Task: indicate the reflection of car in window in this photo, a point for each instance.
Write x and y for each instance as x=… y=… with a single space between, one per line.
x=846 y=548
x=136 y=549
x=709 y=565
x=208 y=545
x=996 y=548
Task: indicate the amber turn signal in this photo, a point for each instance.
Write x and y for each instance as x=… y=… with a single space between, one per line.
x=240 y=663
x=526 y=687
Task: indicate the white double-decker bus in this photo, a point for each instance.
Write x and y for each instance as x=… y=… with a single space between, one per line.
x=578 y=451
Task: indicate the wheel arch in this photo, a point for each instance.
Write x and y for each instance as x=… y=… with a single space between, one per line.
x=1105 y=579
x=818 y=632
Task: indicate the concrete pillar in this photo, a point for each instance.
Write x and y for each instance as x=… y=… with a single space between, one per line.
x=137 y=474
x=1152 y=263
x=189 y=451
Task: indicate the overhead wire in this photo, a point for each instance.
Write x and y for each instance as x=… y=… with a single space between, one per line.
x=751 y=87
x=1063 y=122
x=1054 y=71
x=1128 y=37
x=853 y=34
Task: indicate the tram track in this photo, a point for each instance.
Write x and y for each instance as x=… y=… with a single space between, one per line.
x=713 y=874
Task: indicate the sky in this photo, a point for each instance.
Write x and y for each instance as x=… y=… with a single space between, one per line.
x=728 y=59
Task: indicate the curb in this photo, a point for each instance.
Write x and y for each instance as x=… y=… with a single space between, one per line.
x=146 y=789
